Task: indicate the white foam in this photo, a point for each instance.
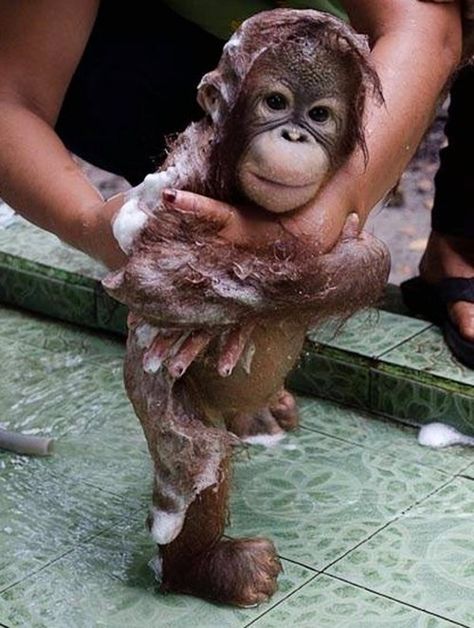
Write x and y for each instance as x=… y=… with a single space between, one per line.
x=148 y=193
x=166 y=525
x=145 y=335
x=267 y=440
x=152 y=364
x=140 y=201
x=230 y=289
x=438 y=435
x=128 y=223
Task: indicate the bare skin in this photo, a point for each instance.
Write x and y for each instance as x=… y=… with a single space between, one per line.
x=449 y=256
x=42 y=43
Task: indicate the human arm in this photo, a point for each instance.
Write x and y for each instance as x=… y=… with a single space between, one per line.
x=41 y=44
x=405 y=37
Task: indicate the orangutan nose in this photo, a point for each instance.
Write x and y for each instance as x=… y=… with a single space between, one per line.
x=294 y=135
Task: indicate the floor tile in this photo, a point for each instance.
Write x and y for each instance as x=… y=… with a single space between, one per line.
x=317 y=496
x=412 y=401
x=369 y=333
x=107 y=582
x=42 y=515
x=328 y=603
x=425 y=558
x=58 y=394
x=427 y=352
x=375 y=433
x=24 y=328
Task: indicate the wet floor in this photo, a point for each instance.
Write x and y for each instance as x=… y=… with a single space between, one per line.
x=372 y=529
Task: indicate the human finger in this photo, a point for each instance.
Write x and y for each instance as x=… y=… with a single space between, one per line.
x=194 y=344
x=232 y=349
x=202 y=207
x=165 y=344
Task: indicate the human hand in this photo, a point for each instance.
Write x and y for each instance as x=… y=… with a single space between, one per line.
x=318 y=223
x=176 y=350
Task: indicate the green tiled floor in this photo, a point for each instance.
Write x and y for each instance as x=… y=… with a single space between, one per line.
x=373 y=530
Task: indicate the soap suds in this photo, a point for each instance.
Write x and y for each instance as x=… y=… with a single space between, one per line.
x=166 y=525
x=438 y=435
x=128 y=223
x=267 y=440
x=140 y=203
x=145 y=335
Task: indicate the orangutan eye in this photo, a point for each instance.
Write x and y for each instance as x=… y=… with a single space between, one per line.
x=276 y=101
x=319 y=114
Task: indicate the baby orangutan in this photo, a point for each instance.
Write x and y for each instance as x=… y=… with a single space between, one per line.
x=215 y=328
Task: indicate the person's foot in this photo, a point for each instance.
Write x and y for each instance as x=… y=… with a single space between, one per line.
x=450 y=256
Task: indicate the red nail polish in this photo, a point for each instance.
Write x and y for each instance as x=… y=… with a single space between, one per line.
x=169 y=195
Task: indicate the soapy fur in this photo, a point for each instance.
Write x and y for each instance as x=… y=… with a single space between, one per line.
x=252 y=306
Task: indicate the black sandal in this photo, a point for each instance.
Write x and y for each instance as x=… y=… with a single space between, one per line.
x=431 y=301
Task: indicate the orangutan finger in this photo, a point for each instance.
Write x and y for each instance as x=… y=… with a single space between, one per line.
x=202 y=207
x=232 y=349
x=187 y=353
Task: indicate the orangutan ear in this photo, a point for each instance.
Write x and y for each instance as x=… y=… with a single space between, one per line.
x=209 y=96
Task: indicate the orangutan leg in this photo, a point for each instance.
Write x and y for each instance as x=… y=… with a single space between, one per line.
x=200 y=562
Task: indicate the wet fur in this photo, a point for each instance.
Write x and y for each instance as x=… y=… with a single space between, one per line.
x=182 y=275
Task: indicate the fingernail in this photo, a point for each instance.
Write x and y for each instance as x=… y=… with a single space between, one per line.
x=169 y=195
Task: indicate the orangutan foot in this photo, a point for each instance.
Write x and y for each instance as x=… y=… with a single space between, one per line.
x=268 y=426
x=242 y=572
x=450 y=256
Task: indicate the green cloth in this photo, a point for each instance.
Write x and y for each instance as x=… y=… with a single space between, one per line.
x=222 y=17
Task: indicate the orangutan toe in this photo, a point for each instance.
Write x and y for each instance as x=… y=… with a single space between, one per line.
x=284 y=411
x=256 y=428
x=242 y=572
x=268 y=426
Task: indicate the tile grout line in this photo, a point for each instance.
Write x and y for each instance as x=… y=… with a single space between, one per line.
x=396 y=346
x=54 y=560
x=37 y=571
x=325 y=572
x=389 y=523
x=394 y=599
x=269 y=610
x=391 y=455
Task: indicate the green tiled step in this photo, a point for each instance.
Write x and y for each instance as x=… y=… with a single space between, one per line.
x=40 y=273
x=389 y=364
x=382 y=361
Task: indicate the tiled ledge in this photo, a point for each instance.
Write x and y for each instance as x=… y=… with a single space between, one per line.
x=382 y=361
x=40 y=273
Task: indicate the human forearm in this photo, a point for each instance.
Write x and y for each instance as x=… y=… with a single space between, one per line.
x=41 y=44
x=39 y=178
x=416 y=48
x=414 y=59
